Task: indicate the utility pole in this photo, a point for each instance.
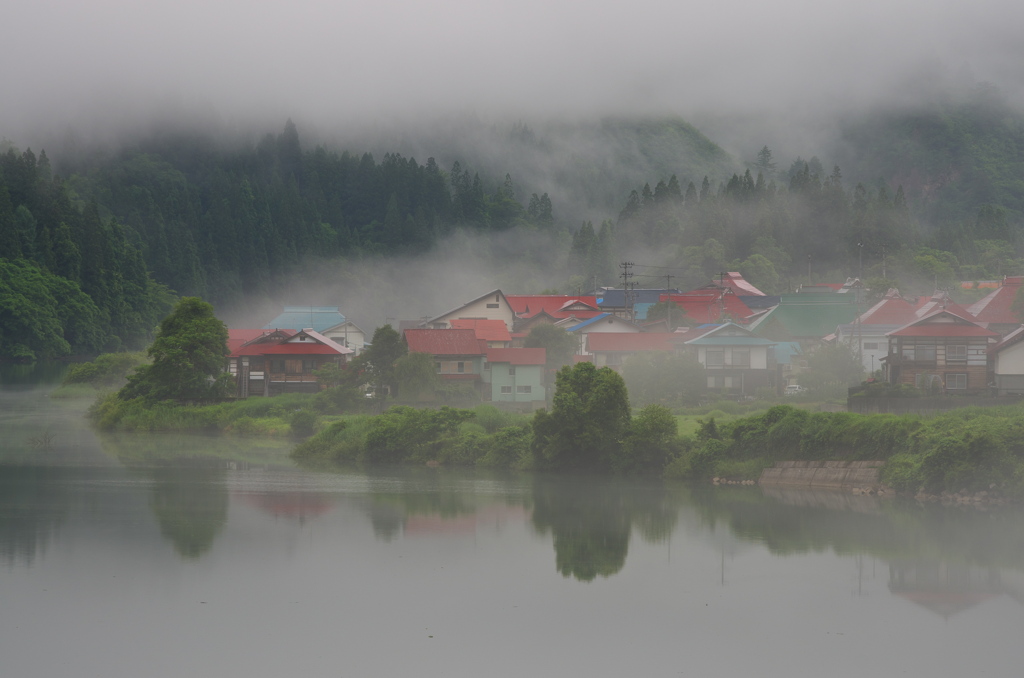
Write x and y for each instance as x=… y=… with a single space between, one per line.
x=668 y=292
x=627 y=286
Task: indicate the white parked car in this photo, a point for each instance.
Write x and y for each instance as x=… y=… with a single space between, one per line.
x=795 y=389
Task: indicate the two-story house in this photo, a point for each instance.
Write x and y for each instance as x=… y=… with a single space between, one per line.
x=940 y=352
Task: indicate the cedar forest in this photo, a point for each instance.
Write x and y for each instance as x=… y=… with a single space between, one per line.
x=95 y=250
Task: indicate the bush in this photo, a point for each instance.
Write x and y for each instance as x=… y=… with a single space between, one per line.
x=303 y=422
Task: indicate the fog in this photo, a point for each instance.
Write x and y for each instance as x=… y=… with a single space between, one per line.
x=108 y=66
x=451 y=79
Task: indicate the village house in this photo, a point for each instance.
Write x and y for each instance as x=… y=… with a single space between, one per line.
x=940 y=352
x=1006 y=361
x=997 y=310
x=733 y=358
x=492 y=305
x=516 y=376
x=611 y=349
x=458 y=354
x=492 y=332
x=280 y=361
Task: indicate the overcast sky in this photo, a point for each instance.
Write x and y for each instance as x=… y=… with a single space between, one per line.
x=325 y=63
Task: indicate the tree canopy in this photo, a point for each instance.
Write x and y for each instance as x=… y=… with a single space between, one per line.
x=188 y=356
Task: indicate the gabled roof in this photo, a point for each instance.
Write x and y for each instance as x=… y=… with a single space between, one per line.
x=319 y=318
x=809 y=316
x=444 y=342
x=501 y=296
x=485 y=328
x=892 y=309
x=555 y=305
x=1009 y=340
x=729 y=334
x=517 y=356
x=304 y=342
x=995 y=306
x=737 y=283
x=629 y=341
x=237 y=338
x=943 y=323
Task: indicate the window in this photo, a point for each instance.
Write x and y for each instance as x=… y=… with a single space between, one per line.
x=492 y=306
x=277 y=366
x=461 y=367
x=924 y=352
x=506 y=390
x=727 y=382
x=741 y=358
x=956 y=353
x=512 y=371
x=870 y=345
x=308 y=364
x=437 y=367
x=712 y=382
x=487 y=366
x=956 y=382
x=715 y=358
x=908 y=352
x=524 y=389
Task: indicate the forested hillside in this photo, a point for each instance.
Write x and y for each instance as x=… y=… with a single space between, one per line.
x=92 y=259
x=70 y=281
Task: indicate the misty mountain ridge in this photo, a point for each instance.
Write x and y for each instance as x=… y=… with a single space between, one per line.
x=252 y=222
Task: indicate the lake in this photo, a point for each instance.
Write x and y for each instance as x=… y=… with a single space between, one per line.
x=153 y=556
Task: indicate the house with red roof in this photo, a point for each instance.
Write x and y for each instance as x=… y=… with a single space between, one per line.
x=866 y=334
x=458 y=354
x=996 y=309
x=942 y=351
x=516 y=375
x=492 y=331
x=610 y=349
x=281 y=361
x=538 y=309
x=710 y=305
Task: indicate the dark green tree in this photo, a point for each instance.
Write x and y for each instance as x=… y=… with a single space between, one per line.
x=188 y=356
x=588 y=422
x=378 y=360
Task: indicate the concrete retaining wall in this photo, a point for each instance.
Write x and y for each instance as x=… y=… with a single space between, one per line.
x=833 y=474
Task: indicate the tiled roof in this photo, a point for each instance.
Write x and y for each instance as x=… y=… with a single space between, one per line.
x=995 y=306
x=486 y=329
x=629 y=341
x=319 y=318
x=517 y=356
x=444 y=342
x=1010 y=339
x=238 y=337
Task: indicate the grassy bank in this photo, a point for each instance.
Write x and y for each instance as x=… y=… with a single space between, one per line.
x=284 y=415
x=971 y=448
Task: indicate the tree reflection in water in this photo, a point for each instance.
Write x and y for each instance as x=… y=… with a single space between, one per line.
x=191 y=505
x=591 y=520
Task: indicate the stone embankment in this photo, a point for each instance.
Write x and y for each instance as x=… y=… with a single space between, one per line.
x=859 y=477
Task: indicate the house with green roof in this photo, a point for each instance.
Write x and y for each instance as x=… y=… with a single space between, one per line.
x=806 y=317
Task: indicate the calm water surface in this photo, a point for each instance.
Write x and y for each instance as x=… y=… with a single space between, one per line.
x=191 y=556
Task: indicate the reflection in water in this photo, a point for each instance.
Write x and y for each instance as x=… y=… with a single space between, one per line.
x=941 y=586
x=191 y=505
x=33 y=504
x=591 y=525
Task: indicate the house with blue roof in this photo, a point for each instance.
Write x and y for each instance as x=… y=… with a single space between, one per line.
x=319 y=318
x=735 y=360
